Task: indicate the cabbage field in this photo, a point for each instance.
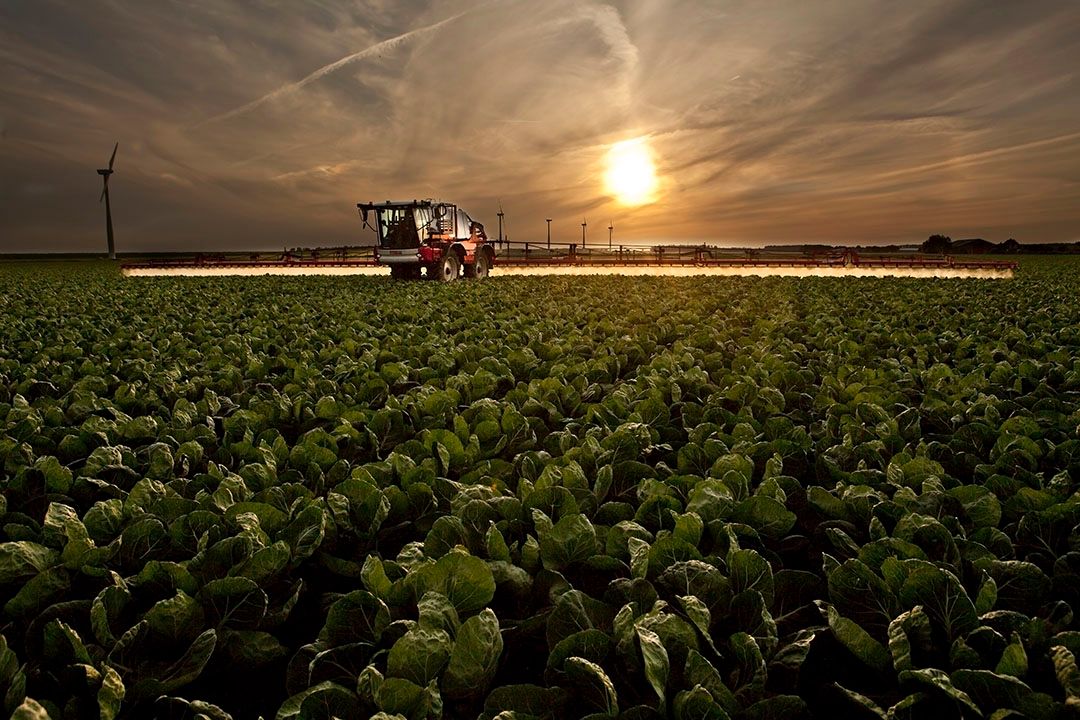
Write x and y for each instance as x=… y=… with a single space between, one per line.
x=603 y=497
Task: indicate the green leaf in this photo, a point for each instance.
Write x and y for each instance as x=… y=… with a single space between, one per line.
x=766 y=515
x=787 y=664
x=711 y=500
x=62 y=528
x=234 y=602
x=22 y=560
x=935 y=680
x=447 y=532
x=329 y=703
x=689 y=528
x=593 y=645
x=197 y=709
x=104 y=519
x=593 y=685
x=30 y=709
x=467 y=581
x=63 y=643
x=400 y=696
x=358 y=616
x=778 y=707
x=909 y=632
x=290 y=709
x=943 y=599
x=1068 y=675
x=265 y=564
x=987 y=596
x=639 y=557
x=374 y=577
x=475 y=657
x=750 y=571
x=436 y=612
x=419 y=655
x=575 y=611
x=180 y=617
x=858 y=703
x=111 y=694
x=992 y=690
x=750 y=672
x=496 y=545
x=527 y=700
x=699 y=671
x=367 y=685
x=44 y=589
x=180 y=673
x=697 y=704
x=859 y=642
x=657 y=665
x=1021 y=586
x=251 y=648
x=981 y=507
x=571 y=540
x=860 y=594
x=699 y=615
x=1014 y=659
x=304 y=533
x=667 y=551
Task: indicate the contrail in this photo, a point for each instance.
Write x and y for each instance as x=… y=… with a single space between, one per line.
x=612 y=32
x=327 y=69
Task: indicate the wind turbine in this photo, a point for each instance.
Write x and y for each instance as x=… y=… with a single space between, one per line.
x=105 y=173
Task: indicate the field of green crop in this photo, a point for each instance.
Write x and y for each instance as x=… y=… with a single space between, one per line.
x=687 y=498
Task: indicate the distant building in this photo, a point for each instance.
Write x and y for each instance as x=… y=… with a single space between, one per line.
x=973 y=246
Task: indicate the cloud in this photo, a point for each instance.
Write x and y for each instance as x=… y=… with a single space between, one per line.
x=254 y=125
x=289 y=88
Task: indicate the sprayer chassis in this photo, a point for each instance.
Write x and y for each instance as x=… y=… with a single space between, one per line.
x=421 y=237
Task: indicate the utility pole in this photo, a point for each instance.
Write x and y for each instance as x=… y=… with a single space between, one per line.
x=549 y=233
x=610 y=229
x=583 y=224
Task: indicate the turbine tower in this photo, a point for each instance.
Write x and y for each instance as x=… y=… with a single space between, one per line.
x=105 y=173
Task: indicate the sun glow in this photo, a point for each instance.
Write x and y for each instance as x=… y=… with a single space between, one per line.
x=631 y=176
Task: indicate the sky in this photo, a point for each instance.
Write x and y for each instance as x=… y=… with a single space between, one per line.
x=261 y=123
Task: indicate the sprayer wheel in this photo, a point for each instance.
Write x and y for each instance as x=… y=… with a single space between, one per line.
x=482 y=267
x=449 y=269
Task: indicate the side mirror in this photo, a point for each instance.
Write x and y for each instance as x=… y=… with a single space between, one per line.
x=439 y=211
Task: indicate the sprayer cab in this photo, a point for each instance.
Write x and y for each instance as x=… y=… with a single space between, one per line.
x=420 y=238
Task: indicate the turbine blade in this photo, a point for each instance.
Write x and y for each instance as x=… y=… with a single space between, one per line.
x=113 y=158
x=104 y=189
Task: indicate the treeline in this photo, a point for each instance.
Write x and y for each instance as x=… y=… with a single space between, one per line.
x=945 y=245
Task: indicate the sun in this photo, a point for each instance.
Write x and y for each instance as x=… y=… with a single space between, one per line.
x=631 y=175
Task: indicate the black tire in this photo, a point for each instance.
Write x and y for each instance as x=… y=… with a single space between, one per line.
x=481 y=268
x=449 y=269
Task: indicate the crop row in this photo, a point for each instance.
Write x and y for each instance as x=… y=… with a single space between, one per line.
x=538 y=497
